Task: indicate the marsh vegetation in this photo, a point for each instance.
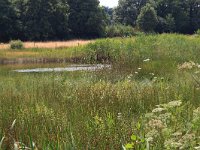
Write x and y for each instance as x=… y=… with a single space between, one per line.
x=148 y=100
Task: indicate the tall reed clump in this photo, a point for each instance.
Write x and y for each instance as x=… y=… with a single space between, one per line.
x=172 y=48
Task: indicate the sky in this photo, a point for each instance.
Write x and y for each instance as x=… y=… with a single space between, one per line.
x=109 y=3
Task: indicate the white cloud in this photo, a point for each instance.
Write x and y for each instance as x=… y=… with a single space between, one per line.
x=109 y=3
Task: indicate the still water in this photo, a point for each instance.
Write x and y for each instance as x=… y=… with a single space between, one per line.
x=69 y=68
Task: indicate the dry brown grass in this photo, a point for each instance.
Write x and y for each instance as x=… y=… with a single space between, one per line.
x=50 y=44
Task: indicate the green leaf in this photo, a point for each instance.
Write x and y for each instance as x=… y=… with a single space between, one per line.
x=142 y=140
x=138 y=126
x=134 y=137
x=129 y=146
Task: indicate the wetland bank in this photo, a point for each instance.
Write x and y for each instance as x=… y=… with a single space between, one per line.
x=149 y=98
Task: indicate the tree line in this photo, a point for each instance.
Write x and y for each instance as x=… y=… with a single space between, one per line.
x=62 y=19
x=181 y=16
x=50 y=19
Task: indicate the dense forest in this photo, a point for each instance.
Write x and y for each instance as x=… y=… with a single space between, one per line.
x=63 y=19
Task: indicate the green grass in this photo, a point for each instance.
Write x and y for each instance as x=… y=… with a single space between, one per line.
x=106 y=109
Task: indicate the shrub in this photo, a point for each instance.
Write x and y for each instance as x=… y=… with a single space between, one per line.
x=16 y=44
x=198 y=32
x=119 y=31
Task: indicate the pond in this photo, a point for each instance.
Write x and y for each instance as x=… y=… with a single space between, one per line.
x=70 y=68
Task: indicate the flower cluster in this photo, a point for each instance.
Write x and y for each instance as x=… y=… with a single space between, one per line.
x=163 y=125
x=188 y=65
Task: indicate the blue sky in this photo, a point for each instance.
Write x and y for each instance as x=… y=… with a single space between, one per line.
x=109 y=3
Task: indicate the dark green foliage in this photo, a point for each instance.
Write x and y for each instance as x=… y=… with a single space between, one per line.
x=62 y=19
x=46 y=19
x=166 y=24
x=51 y=19
x=170 y=23
x=109 y=15
x=147 y=19
x=126 y=13
x=119 y=31
x=8 y=20
x=173 y=15
x=86 y=18
x=128 y=10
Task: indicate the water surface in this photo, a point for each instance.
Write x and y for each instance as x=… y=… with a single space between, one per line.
x=69 y=68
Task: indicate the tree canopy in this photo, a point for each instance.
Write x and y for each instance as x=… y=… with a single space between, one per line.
x=63 y=19
x=86 y=18
x=50 y=19
x=180 y=16
x=147 y=19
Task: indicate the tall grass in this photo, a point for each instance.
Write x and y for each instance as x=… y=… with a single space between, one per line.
x=157 y=47
x=104 y=109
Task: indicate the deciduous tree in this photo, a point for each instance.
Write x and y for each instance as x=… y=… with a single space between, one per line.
x=147 y=19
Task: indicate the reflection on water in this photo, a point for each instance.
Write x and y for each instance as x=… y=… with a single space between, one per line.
x=69 y=68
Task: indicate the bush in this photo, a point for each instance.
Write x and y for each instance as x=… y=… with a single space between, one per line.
x=198 y=32
x=16 y=44
x=119 y=31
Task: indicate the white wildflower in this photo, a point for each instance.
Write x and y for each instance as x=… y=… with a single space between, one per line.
x=177 y=134
x=188 y=137
x=174 y=104
x=152 y=134
x=164 y=116
x=157 y=110
x=158 y=106
x=197 y=147
x=196 y=112
x=187 y=65
x=172 y=144
x=146 y=60
x=149 y=139
x=119 y=116
x=152 y=74
x=155 y=123
x=130 y=76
